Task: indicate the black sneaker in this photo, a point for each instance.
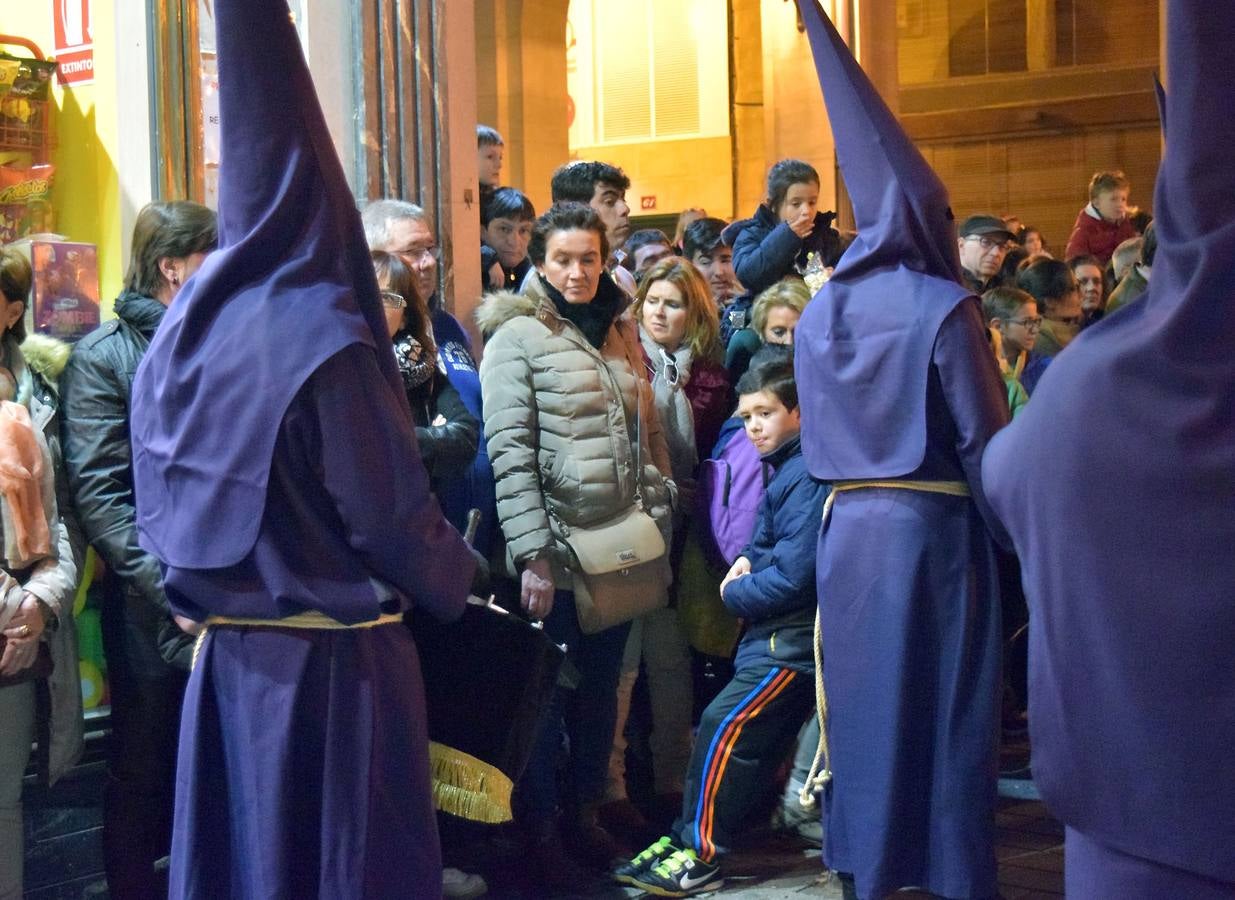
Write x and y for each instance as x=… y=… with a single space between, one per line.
x=682 y=874
x=628 y=871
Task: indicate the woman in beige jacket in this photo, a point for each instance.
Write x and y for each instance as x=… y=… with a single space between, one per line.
x=564 y=408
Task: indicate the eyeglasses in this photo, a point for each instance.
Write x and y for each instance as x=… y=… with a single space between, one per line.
x=670 y=367
x=1033 y=324
x=986 y=243
x=391 y=300
x=416 y=254
x=1069 y=320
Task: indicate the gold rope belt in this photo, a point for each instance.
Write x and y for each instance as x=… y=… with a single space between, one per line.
x=311 y=620
x=821 y=766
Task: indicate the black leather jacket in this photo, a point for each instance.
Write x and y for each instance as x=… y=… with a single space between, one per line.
x=95 y=389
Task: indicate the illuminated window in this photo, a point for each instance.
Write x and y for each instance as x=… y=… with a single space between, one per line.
x=646 y=70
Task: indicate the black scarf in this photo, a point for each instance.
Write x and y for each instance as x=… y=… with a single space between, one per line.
x=593 y=318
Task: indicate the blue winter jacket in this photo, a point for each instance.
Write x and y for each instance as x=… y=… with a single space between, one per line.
x=777 y=600
x=765 y=249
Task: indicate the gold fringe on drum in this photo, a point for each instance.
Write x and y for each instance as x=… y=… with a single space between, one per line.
x=468 y=787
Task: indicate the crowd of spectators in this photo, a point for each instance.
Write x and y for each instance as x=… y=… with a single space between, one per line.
x=619 y=363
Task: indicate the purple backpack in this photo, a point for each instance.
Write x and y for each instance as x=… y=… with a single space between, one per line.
x=730 y=488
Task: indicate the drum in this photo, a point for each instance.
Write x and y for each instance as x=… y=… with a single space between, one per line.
x=488 y=678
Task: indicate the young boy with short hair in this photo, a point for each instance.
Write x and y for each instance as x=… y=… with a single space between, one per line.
x=1103 y=224
x=747 y=732
x=489 y=150
x=603 y=187
x=701 y=244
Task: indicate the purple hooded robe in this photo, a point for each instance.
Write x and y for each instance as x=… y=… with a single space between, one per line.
x=897 y=382
x=276 y=472
x=1117 y=485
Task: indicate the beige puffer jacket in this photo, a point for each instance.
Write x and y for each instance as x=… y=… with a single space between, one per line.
x=560 y=425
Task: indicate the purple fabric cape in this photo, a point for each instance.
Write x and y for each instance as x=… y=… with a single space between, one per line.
x=1117 y=485
x=290 y=285
x=863 y=345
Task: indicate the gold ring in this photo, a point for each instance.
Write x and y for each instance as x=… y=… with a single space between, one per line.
x=24 y=631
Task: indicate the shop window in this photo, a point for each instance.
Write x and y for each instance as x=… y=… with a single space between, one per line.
x=988 y=36
x=966 y=38
x=647 y=70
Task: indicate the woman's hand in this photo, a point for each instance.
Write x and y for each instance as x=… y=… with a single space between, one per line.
x=739 y=568
x=22 y=637
x=537 y=588
x=497 y=278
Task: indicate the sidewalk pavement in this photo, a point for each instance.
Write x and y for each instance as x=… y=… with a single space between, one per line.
x=1029 y=846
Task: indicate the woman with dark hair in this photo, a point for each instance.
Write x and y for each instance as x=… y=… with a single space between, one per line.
x=1051 y=283
x=446 y=433
x=1032 y=240
x=147 y=655
x=1012 y=262
x=506 y=219
x=567 y=415
x=41 y=550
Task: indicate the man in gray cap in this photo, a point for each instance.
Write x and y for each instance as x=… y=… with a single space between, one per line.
x=983 y=242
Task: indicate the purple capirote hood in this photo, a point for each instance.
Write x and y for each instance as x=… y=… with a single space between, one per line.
x=863 y=345
x=290 y=285
x=1117 y=485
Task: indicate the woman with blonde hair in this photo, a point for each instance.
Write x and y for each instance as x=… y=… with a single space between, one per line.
x=773 y=318
x=679 y=329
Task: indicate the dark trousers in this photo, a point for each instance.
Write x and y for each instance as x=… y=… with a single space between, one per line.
x=586 y=717
x=146 y=696
x=744 y=736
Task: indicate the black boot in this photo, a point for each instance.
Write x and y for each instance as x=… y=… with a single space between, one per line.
x=548 y=862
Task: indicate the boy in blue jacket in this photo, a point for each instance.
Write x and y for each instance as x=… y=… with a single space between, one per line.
x=749 y=729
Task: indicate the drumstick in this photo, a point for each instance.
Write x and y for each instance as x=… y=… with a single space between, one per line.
x=473 y=524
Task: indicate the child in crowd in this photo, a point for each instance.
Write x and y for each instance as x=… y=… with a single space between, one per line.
x=787 y=234
x=1012 y=316
x=1103 y=224
x=746 y=733
x=489 y=150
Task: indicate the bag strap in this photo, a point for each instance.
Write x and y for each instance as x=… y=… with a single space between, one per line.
x=636 y=369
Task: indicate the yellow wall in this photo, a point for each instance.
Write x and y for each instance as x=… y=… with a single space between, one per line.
x=679 y=174
x=86 y=193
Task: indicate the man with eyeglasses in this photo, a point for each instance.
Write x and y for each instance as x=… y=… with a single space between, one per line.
x=983 y=241
x=403 y=228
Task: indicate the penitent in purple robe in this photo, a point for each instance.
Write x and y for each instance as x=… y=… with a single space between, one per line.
x=276 y=472
x=1117 y=486
x=303 y=768
x=898 y=383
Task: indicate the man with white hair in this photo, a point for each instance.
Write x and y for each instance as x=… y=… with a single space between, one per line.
x=404 y=229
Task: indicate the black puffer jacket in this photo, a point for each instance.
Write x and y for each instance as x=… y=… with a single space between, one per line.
x=95 y=389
